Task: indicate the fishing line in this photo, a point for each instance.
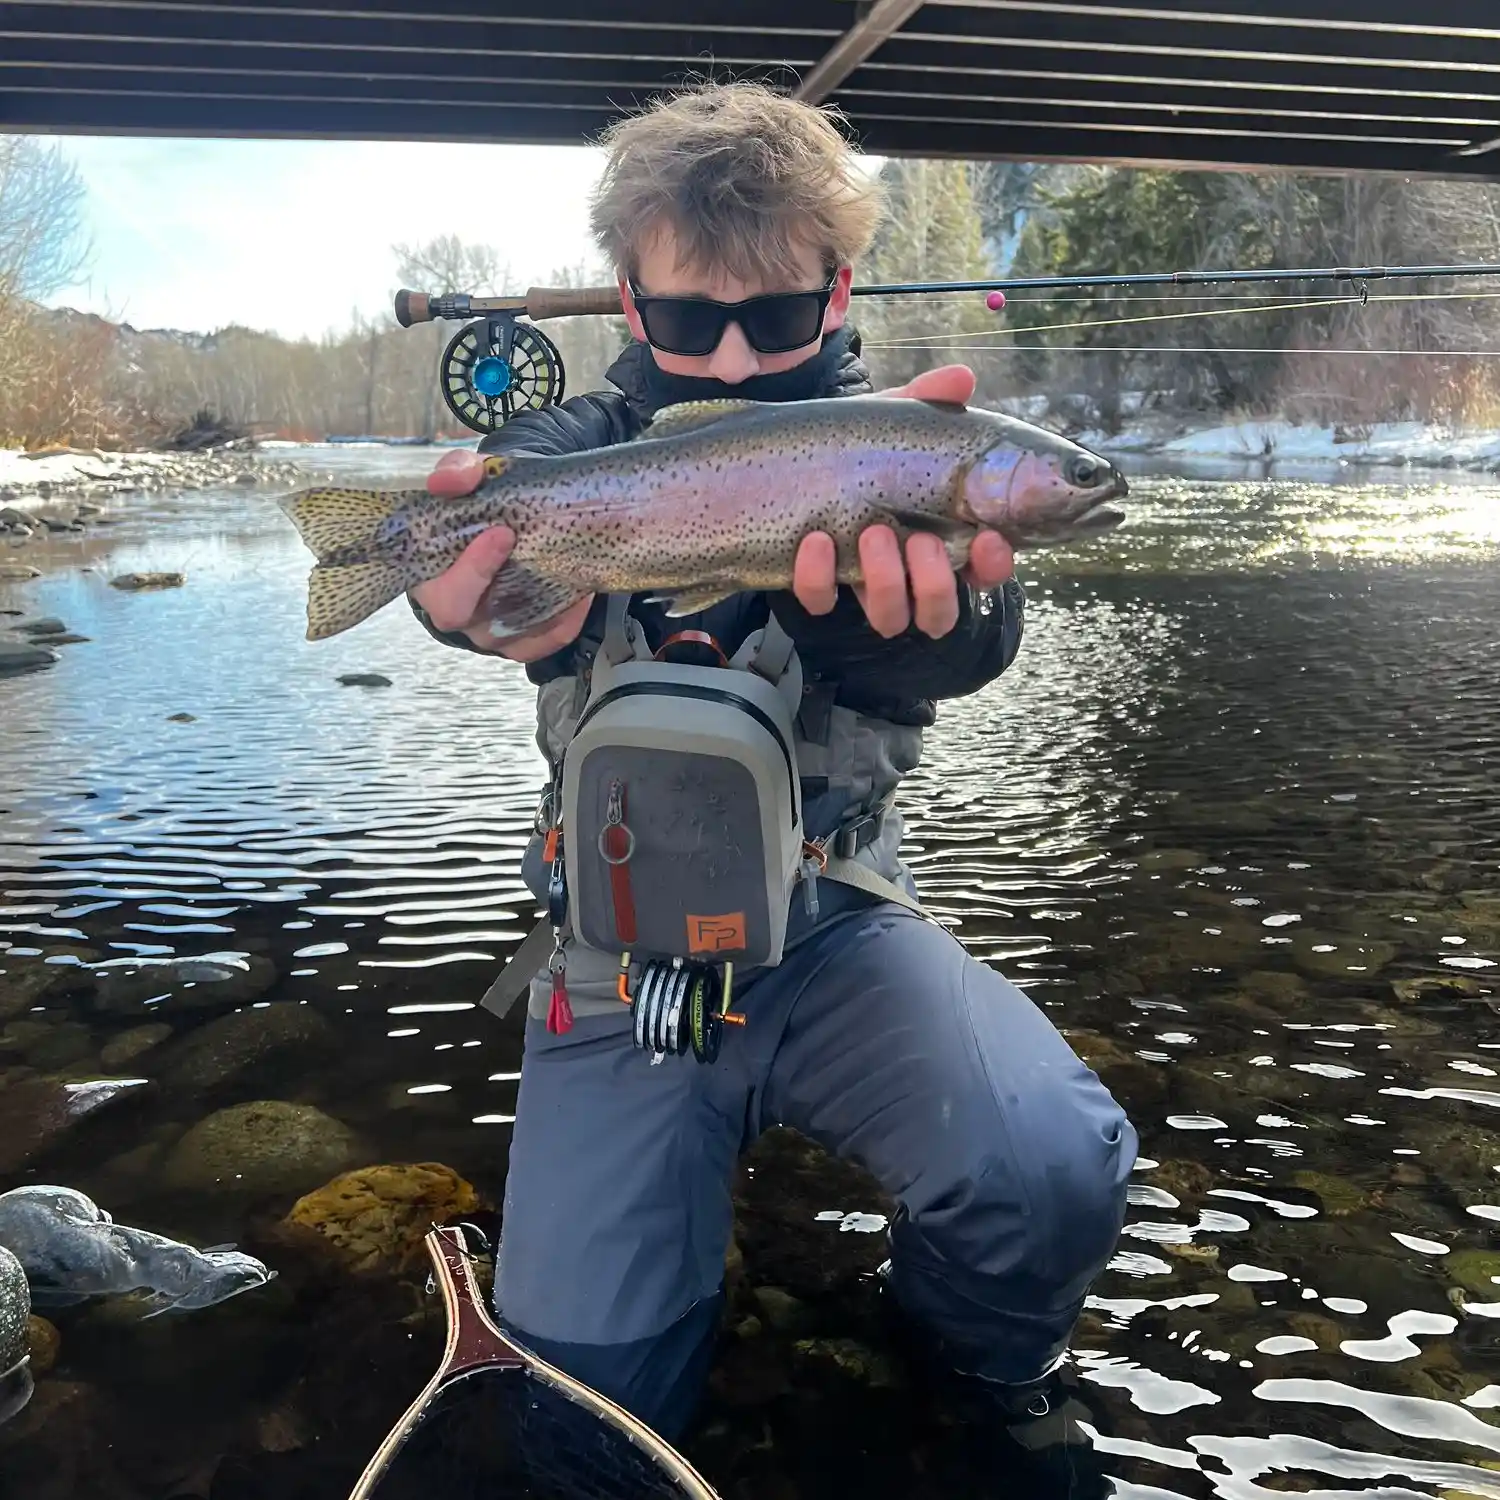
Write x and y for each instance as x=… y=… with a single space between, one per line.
x=1210 y=312
x=1190 y=349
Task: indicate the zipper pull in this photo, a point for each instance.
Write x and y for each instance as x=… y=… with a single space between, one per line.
x=559 y=1012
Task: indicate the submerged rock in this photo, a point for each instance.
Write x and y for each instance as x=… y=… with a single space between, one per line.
x=45 y=1342
x=375 y=1218
x=183 y=984
x=135 y=581
x=364 y=679
x=37 y=1114
x=15 y=1314
x=248 y=1047
x=123 y=1049
x=17 y=657
x=22 y=988
x=266 y=1148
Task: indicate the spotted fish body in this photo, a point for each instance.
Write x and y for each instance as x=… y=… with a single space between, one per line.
x=713 y=499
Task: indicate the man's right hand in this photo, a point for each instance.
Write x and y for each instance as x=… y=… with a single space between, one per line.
x=453 y=599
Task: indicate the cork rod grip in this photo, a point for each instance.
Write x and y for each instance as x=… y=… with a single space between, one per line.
x=572 y=302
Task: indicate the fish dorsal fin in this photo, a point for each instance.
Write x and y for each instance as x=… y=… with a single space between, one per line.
x=687 y=416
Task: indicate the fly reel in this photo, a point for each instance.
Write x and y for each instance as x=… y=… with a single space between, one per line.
x=678 y=1007
x=496 y=367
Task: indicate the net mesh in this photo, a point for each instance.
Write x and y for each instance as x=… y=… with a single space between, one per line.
x=505 y=1434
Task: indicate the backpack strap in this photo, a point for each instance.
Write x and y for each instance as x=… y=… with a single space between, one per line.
x=862 y=877
x=774 y=652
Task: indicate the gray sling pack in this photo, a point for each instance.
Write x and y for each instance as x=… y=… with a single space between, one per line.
x=677 y=831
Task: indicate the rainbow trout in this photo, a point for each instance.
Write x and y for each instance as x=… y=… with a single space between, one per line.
x=711 y=500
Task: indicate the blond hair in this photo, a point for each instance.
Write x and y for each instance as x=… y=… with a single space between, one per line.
x=744 y=178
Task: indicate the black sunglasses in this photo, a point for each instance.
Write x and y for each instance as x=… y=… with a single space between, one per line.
x=775 y=323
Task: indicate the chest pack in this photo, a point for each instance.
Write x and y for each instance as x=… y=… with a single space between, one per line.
x=673 y=833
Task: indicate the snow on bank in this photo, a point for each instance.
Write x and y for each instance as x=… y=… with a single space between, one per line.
x=19 y=471
x=1398 y=443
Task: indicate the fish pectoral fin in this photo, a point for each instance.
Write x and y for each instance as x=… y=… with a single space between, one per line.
x=687 y=416
x=338 y=597
x=521 y=598
x=692 y=601
x=936 y=525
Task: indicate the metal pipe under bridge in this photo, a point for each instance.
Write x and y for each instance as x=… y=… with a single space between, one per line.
x=1323 y=85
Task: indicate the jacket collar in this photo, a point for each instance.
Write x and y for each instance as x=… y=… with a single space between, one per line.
x=835 y=370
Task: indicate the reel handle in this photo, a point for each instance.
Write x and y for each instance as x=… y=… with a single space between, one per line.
x=539 y=302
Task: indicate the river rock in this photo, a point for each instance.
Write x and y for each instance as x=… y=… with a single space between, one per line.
x=375 y=1218
x=47 y=625
x=122 y=1050
x=1334 y=956
x=17 y=657
x=248 y=1048
x=45 y=1342
x=21 y=988
x=61 y=1044
x=15 y=1310
x=364 y=679
x=269 y=1147
x=15 y=572
x=135 y=581
x=176 y=985
x=37 y=1114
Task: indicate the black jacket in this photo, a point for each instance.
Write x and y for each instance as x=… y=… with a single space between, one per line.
x=898 y=679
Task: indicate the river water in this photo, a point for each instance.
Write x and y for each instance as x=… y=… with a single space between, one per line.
x=1233 y=819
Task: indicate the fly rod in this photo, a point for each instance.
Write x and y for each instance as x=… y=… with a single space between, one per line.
x=540 y=303
x=498 y=366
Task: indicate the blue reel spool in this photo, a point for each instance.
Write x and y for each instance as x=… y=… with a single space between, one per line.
x=496 y=367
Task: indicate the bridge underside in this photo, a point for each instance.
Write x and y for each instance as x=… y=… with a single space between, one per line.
x=1336 y=85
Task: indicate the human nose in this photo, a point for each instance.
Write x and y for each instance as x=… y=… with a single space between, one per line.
x=734 y=360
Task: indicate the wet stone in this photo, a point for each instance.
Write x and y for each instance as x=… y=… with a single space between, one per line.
x=36 y=1115
x=17 y=657
x=376 y=1218
x=183 y=984
x=247 y=1048
x=265 y=1148
x=45 y=1342
x=135 y=581
x=124 y=1048
x=15 y=1310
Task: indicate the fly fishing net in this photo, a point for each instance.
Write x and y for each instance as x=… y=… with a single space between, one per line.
x=506 y=1433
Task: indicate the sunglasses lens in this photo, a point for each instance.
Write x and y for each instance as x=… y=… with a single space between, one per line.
x=780 y=324
x=683 y=326
x=772 y=325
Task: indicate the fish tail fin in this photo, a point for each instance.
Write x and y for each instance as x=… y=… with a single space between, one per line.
x=359 y=569
x=342 y=521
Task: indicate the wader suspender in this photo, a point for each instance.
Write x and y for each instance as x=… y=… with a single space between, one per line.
x=770 y=659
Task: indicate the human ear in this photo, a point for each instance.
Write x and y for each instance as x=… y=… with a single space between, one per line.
x=632 y=313
x=838 y=304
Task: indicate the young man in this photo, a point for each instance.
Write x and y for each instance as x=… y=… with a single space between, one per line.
x=877 y=1035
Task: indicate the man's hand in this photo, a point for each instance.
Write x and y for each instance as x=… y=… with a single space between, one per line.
x=921 y=586
x=452 y=599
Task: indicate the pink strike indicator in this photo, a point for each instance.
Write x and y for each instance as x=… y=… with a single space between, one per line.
x=995 y=301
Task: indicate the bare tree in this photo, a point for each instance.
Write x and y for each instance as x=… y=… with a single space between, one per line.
x=43 y=247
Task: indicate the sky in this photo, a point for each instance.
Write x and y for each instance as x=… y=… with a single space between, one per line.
x=294 y=236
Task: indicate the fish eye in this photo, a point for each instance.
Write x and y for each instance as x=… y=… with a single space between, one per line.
x=1083 y=471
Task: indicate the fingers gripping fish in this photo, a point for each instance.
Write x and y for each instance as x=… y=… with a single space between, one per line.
x=712 y=500
x=71 y=1250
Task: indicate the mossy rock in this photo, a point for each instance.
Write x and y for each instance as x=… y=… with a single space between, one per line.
x=1337 y=1197
x=1476 y=1271
x=268 y=1147
x=376 y=1218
